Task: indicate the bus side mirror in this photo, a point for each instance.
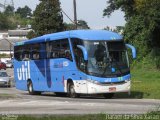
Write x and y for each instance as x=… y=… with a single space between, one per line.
x=85 y=54
x=133 y=50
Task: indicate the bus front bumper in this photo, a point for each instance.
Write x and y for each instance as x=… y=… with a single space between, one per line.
x=88 y=87
x=109 y=88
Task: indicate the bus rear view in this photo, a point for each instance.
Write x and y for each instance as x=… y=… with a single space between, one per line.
x=95 y=62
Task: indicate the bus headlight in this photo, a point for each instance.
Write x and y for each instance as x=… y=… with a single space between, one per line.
x=93 y=81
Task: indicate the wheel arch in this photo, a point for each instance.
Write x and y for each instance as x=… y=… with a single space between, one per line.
x=29 y=80
x=69 y=81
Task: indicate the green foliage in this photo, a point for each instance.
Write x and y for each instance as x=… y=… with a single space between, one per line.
x=31 y=34
x=3 y=22
x=10 y=20
x=126 y=6
x=24 y=12
x=81 y=24
x=137 y=33
x=119 y=29
x=9 y=10
x=143 y=24
x=17 y=20
x=144 y=81
x=48 y=17
x=4 y=55
x=69 y=26
x=155 y=53
x=149 y=116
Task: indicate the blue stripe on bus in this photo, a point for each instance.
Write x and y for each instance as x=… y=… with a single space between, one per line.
x=48 y=73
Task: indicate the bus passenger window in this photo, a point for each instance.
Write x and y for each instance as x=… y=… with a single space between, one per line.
x=58 y=49
x=35 y=55
x=26 y=57
x=68 y=55
x=65 y=49
x=18 y=52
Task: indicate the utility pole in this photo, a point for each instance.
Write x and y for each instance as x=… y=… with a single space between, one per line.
x=75 y=12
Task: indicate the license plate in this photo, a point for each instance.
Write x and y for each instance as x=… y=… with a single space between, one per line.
x=112 y=89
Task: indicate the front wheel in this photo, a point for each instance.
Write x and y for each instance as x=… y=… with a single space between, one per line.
x=71 y=91
x=108 y=95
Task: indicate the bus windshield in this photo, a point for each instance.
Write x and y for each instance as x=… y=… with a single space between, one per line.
x=106 y=58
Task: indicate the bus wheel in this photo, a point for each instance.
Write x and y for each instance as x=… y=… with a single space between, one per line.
x=31 y=90
x=71 y=91
x=108 y=95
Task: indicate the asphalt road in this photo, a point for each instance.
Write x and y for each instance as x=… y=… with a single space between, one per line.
x=48 y=103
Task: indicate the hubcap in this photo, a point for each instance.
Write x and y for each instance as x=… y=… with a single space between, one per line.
x=72 y=91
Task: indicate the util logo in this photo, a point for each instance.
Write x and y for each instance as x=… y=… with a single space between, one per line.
x=24 y=72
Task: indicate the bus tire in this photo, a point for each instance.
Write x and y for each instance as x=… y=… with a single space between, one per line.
x=108 y=95
x=71 y=91
x=31 y=90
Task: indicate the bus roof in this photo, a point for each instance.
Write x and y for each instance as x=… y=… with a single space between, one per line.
x=81 y=34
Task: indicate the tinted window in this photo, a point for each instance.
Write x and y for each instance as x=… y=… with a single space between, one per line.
x=35 y=51
x=116 y=46
x=30 y=51
x=18 y=52
x=59 y=49
x=78 y=55
x=26 y=54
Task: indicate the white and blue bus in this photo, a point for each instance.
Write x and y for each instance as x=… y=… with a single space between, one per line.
x=73 y=62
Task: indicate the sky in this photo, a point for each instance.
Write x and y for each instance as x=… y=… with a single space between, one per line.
x=89 y=10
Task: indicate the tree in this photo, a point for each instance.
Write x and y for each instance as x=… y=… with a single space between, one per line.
x=48 y=17
x=69 y=26
x=143 y=24
x=9 y=10
x=24 y=12
x=3 y=22
x=127 y=6
x=82 y=24
x=31 y=34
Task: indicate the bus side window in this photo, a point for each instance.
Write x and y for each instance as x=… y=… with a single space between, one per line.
x=18 y=53
x=53 y=49
x=35 y=55
x=65 y=49
x=58 y=49
x=78 y=55
x=26 y=57
x=36 y=51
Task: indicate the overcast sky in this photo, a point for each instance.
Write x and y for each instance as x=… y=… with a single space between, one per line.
x=89 y=10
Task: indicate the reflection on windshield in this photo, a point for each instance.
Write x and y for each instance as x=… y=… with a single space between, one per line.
x=106 y=59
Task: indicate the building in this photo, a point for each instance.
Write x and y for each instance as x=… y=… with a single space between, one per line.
x=9 y=38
